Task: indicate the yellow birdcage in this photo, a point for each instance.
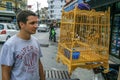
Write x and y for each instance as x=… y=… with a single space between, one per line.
x=84 y=39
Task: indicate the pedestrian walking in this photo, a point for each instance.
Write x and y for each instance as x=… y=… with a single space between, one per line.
x=20 y=55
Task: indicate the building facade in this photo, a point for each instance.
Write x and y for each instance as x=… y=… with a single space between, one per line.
x=13 y=5
x=55 y=9
x=9 y=8
x=43 y=15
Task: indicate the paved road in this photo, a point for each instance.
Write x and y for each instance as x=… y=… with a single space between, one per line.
x=49 y=52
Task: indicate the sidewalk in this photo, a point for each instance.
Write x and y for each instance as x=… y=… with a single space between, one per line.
x=50 y=63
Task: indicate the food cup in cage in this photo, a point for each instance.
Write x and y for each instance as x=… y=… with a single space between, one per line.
x=76 y=55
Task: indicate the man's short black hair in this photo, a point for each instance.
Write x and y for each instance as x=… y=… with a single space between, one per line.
x=22 y=16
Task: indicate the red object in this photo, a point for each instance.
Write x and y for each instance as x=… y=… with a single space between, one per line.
x=29 y=6
x=3 y=32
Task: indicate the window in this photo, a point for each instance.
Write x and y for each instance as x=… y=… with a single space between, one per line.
x=9 y=6
x=52 y=6
x=51 y=16
x=1 y=27
x=51 y=2
x=118 y=5
x=8 y=26
x=13 y=27
x=61 y=0
x=52 y=11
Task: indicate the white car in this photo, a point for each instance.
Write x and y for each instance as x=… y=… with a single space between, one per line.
x=43 y=27
x=6 y=31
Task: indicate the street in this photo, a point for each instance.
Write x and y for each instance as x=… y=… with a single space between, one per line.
x=89 y=33
x=49 y=52
x=49 y=58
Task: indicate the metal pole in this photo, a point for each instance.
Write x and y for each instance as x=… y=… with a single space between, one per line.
x=16 y=5
x=119 y=74
x=38 y=9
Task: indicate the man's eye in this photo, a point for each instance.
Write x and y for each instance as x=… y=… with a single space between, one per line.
x=32 y=23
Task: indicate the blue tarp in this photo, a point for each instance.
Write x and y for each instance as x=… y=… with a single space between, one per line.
x=71 y=5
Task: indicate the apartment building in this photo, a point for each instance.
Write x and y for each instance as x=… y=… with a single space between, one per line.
x=9 y=8
x=13 y=5
x=43 y=15
x=55 y=9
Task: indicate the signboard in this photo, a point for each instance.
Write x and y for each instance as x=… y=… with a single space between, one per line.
x=99 y=3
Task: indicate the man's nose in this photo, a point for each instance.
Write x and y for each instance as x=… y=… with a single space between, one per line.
x=36 y=25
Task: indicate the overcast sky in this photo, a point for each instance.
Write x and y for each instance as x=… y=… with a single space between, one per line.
x=42 y=3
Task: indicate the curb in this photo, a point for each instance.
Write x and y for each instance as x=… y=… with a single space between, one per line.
x=44 y=45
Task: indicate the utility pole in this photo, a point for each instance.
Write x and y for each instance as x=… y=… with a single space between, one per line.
x=38 y=4
x=16 y=5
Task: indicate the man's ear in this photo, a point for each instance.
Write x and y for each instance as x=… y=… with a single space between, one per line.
x=22 y=24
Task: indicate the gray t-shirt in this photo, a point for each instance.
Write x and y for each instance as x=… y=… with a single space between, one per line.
x=23 y=56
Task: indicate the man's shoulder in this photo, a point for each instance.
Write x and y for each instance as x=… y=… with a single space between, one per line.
x=11 y=40
x=34 y=38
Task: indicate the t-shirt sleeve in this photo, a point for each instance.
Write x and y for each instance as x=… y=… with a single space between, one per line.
x=7 y=55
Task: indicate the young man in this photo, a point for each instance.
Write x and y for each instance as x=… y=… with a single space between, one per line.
x=20 y=55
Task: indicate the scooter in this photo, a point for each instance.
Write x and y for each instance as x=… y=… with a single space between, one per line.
x=52 y=36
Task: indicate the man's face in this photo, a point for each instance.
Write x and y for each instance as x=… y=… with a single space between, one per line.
x=31 y=25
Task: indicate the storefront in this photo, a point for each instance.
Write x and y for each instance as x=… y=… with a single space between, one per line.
x=102 y=5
